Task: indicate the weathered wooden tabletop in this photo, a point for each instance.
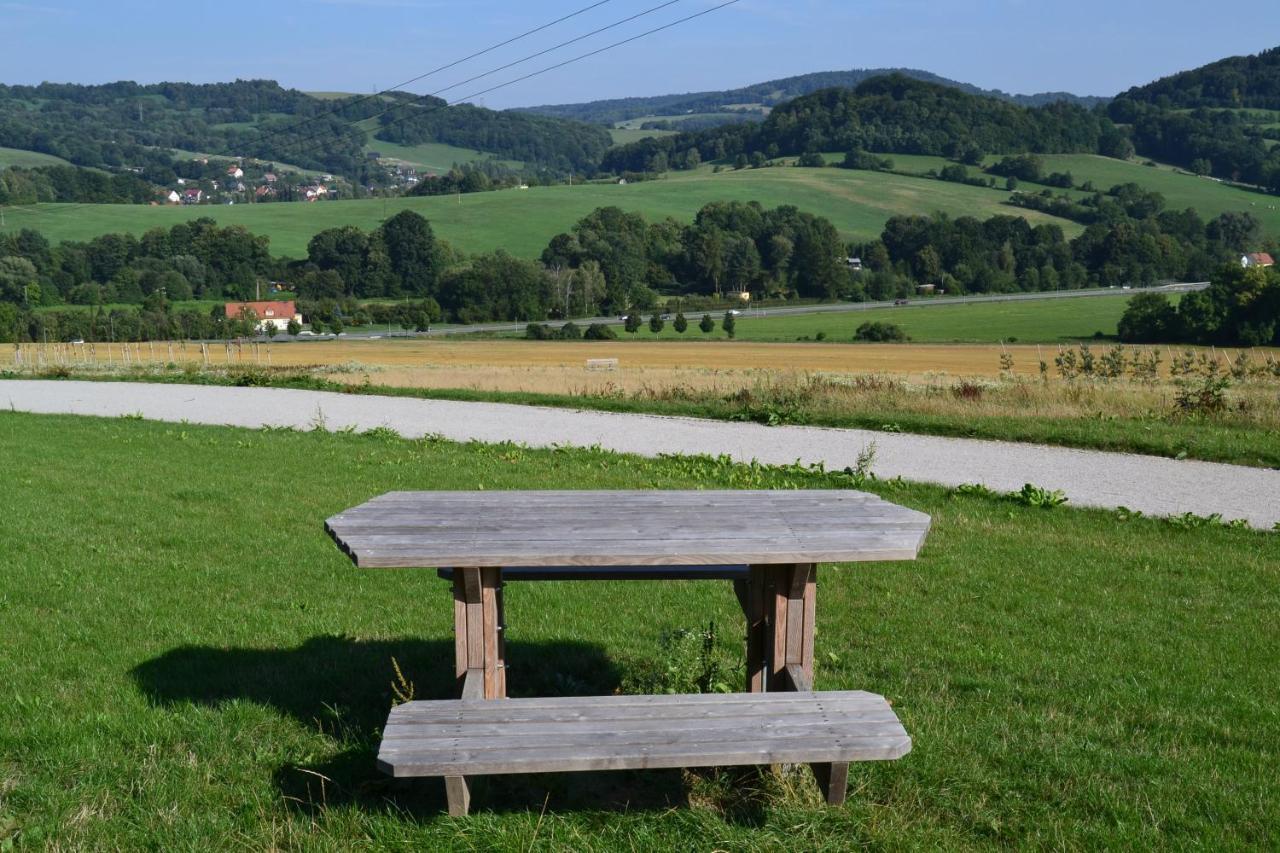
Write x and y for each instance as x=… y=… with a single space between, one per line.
x=626 y=528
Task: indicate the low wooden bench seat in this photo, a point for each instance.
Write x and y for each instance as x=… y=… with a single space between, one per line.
x=621 y=573
x=476 y=737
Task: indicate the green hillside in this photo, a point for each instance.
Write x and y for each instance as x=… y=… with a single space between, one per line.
x=434 y=156
x=27 y=159
x=1180 y=189
x=523 y=221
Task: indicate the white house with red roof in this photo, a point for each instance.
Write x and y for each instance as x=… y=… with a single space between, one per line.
x=276 y=314
x=235 y=172
x=1257 y=259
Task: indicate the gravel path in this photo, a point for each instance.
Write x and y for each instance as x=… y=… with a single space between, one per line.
x=1090 y=478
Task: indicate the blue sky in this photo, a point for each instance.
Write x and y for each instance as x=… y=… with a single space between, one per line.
x=1087 y=47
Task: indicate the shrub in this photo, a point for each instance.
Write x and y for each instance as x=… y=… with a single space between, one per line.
x=707 y=325
x=880 y=332
x=600 y=332
x=570 y=332
x=537 y=332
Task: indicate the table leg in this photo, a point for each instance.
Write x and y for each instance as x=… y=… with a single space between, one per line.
x=479 y=632
x=479 y=654
x=753 y=600
x=780 y=605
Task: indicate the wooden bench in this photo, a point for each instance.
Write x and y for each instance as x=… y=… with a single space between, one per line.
x=456 y=739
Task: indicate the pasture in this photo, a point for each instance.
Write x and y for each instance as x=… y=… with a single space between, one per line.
x=1180 y=189
x=523 y=221
x=1047 y=321
x=172 y=672
x=433 y=156
x=28 y=159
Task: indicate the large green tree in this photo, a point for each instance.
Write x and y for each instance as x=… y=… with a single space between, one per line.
x=413 y=253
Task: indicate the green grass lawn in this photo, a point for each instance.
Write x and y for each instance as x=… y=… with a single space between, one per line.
x=1036 y=321
x=190 y=662
x=28 y=159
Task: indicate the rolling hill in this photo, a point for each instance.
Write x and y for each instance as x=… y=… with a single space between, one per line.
x=1251 y=82
x=523 y=221
x=769 y=94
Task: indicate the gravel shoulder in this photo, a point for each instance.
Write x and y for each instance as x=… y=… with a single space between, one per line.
x=1148 y=484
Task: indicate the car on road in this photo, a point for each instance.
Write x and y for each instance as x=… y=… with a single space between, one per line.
x=901 y=302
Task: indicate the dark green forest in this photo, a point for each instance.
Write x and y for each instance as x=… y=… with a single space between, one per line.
x=119 y=125
x=894 y=114
x=1239 y=81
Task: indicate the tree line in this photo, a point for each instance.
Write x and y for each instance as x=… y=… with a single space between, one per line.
x=1006 y=254
x=42 y=184
x=1241 y=307
x=889 y=114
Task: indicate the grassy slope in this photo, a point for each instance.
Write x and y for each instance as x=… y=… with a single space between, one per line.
x=1069 y=680
x=523 y=221
x=1180 y=190
x=626 y=135
x=433 y=156
x=18 y=157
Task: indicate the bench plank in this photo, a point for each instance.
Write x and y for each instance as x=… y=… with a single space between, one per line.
x=455 y=738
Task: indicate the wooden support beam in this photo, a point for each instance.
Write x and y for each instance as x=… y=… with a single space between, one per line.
x=798 y=679
x=833 y=779
x=457 y=789
x=489 y=580
x=460 y=657
x=756 y=629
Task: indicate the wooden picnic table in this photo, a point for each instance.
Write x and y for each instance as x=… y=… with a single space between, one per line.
x=768 y=543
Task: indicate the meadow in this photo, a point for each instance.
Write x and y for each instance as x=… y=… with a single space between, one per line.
x=28 y=159
x=1180 y=189
x=522 y=222
x=1047 y=321
x=191 y=662
x=433 y=156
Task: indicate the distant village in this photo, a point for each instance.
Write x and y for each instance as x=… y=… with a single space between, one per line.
x=250 y=181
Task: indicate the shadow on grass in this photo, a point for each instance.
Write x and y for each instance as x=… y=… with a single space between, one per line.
x=342 y=687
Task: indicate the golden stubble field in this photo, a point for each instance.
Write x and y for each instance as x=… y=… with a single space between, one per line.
x=831 y=379
x=551 y=366
x=561 y=367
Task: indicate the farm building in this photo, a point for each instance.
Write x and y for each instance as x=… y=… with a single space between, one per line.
x=277 y=314
x=1257 y=259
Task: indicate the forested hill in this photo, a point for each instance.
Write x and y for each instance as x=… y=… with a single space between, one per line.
x=127 y=125
x=1251 y=82
x=892 y=114
x=558 y=144
x=772 y=93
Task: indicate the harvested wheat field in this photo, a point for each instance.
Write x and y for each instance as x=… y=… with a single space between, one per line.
x=562 y=367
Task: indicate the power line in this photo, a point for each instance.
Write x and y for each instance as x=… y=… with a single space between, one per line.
x=542 y=71
x=435 y=71
x=493 y=71
x=530 y=75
